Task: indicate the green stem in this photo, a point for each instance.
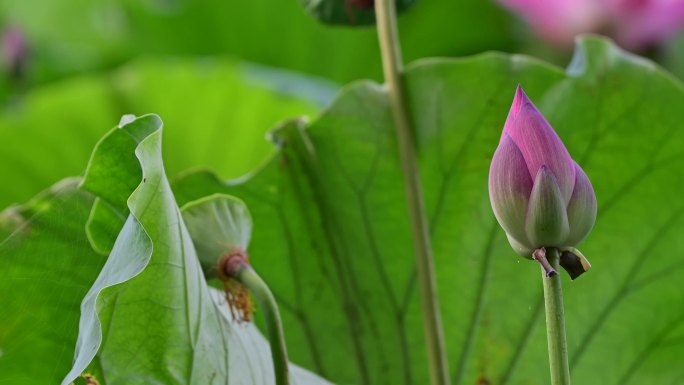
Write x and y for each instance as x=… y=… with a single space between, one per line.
x=246 y=275
x=555 y=323
x=393 y=70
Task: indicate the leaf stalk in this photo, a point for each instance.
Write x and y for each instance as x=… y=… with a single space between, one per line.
x=247 y=276
x=388 y=35
x=555 y=322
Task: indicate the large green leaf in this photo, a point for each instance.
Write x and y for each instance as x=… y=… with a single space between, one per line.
x=150 y=317
x=332 y=235
x=47 y=267
x=201 y=99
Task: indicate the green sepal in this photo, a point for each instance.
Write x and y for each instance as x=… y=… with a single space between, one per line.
x=547 y=221
x=574 y=262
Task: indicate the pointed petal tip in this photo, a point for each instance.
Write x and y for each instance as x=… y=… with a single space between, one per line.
x=518 y=100
x=519 y=91
x=521 y=105
x=520 y=96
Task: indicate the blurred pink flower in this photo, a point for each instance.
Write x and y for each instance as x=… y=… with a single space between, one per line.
x=634 y=24
x=14 y=51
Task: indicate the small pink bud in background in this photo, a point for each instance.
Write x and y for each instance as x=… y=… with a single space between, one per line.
x=14 y=52
x=540 y=196
x=635 y=24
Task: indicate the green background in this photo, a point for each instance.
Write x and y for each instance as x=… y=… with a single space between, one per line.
x=331 y=230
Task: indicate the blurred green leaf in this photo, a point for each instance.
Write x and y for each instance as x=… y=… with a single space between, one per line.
x=75 y=35
x=150 y=317
x=45 y=137
x=331 y=234
x=219 y=109
x=347 y=12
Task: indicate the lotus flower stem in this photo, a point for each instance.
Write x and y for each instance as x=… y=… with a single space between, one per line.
x=388 y=35
x=247 y=276
x=555 y=322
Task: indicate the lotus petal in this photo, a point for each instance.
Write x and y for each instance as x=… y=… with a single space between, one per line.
x=547 y=222
x=581 y=209
x=510 y=186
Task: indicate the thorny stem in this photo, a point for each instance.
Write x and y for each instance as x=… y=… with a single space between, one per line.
x=555 y=322
x=246 y=275
x=393 y=70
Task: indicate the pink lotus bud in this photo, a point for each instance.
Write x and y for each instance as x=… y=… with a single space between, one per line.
x=540 y=196
x=635 y=24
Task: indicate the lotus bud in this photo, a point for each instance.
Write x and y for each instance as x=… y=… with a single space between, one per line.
x=540 y=196
x=220 y=227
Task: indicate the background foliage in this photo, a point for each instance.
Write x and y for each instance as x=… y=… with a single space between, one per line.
x=221 y=75
x=77 y=47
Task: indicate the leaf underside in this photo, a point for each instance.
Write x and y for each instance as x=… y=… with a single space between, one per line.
x=149 y=316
